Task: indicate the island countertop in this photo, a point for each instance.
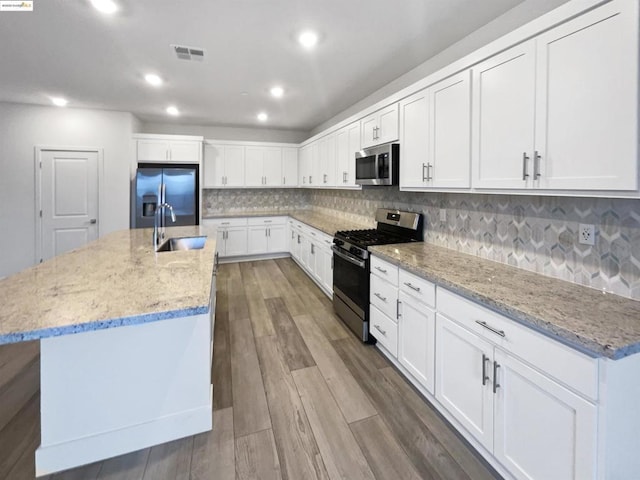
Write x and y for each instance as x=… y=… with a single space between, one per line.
x=114 y=281
x=599 y=323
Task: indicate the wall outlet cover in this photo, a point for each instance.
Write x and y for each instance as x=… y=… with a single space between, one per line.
x=443 y=215
x=586 y=234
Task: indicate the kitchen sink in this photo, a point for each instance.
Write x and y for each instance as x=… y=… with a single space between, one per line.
x=182 y=243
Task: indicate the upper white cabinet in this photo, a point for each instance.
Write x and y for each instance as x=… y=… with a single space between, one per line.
x=435 y=135
x=168 y=148
x=326 y=163
x=223 y=165
x=263 y=166
x=290 y=167
x=347 y=144
x=559 y=112
x=380 y=127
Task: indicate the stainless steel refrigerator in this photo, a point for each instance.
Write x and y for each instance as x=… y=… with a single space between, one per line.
x=176 y=185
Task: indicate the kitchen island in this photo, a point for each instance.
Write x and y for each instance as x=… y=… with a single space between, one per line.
x=126 y=342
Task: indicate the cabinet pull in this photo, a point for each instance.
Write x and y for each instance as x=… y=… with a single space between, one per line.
x=384 y=299
x=496 y=385
x=313 y=250
x=268 y=221
x=284 y=180
x=269 y=230
x=424 y=177
x=485 y=377
x=381 y=270
x=373 y=133
x=310 y=179
x=525 y=159
x=536 y=165
x=298 y=239
x=324 y=178
x=225 y=223
x=377 y=327
x=429 y=167
x=412 y=287
x=293 y=234
x=398 y=314
x=490 y=328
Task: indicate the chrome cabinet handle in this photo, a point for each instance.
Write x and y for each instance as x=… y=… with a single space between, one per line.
x=485 y=377
x=324 y=178
x=525 y=159
x=310 y=179
x=384 y=299
x=490 y=328
x=93 y=221
x=298 y=238
x=284 y=180
x=398 y=314
x=225 y=223
x=267 y=221
x=408 y=284
x=381 y=270
x=313 y=250
x=377 y=327
x=496 y=385
x=536 y=164
x=424 y=177
x=429 y=167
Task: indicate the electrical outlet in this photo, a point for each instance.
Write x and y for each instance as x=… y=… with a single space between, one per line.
x=586 y=234
x=443 y=215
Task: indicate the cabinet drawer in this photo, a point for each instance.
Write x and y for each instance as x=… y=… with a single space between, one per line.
x=258 y=221
x=225 y=222
x=384 y=295
x=384 y=330
x=384 y=269
x=417 y=287
x=565 y=364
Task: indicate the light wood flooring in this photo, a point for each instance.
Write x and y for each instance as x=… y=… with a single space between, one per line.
x=296 y=396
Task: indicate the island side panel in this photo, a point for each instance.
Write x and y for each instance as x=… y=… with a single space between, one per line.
x=109 y=392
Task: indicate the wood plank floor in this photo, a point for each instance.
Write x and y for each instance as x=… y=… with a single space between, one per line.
x=296 y=397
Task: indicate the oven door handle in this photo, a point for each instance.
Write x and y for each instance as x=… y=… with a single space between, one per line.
x=349 y=258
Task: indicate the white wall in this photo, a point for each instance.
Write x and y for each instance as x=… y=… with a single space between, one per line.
x=228 y=133
x=22 y=127
x=512 y=19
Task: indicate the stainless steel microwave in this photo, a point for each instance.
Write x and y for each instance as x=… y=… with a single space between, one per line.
x=378 y=165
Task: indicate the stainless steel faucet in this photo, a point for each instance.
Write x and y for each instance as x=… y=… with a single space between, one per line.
x=158 y=230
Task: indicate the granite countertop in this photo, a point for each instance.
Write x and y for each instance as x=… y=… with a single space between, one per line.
x=601 y=324
x=114 y=281
x=328 y=224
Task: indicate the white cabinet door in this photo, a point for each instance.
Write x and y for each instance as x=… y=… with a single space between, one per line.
x=234 y=166
x=272 y=166
x=296 y=246
x=290 y=167
x=416 y=340
x=277 y=238
x=153 y=150
x=213 y=166
x=542 y=430
x=587 y=101
x=503 y=123
x=305 y=252
x=253 y=160
x=414 y=132
x=315 y=168
x=463 y=378
x=304 y=165
x=324 y=256
x=316 y=266
x=185 y=151
x=380 y=127
x=327 y=160
x=257 y=241
x=347 y=144
x=449 y=154
x=368 y=130
x=221 y=238
x=236 y=243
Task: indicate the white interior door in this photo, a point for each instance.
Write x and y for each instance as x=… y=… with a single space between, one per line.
x=68 y=200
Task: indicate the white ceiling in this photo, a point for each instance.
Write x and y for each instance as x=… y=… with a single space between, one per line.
x=67 y=48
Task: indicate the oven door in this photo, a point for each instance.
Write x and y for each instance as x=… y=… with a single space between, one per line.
x=351 y=291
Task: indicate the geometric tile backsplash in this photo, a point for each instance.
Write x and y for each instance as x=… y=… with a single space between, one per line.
x=531 y=232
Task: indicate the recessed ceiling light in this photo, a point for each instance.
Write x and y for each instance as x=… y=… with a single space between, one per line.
x=277 y=92
x=308 y=39
x=105 y=6
x=263 y=117
x=59 y=101
x=244 y=94
x=173 y=111
x=153 y=79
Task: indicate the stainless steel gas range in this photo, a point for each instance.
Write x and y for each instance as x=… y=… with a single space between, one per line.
x=351 y=264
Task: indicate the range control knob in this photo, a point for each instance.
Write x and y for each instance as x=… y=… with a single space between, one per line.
x=338 y=242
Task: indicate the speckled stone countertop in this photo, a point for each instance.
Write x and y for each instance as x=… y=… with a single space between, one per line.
x=328 y=224
x=114 y=281
x=604 y=325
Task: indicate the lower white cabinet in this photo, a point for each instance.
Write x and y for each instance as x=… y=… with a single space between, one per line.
x=534 y=426
x=266 y=235
x=232 y=236
x=311 y=248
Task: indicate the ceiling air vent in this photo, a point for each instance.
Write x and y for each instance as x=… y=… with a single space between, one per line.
x=188 y=53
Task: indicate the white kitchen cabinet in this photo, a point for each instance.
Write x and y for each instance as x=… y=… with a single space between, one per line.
x=223 y=165
x=520 y=414
x=559 y=112
x=305 y=166
x=326 y=164
x=263 y=166
x=266 y=235
x=380 y=127
x=168 y=149
x=503 y=118
x=416 y=339
x=290 y=167
x=435 y=134
x=231 y=236
x=347 y=144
